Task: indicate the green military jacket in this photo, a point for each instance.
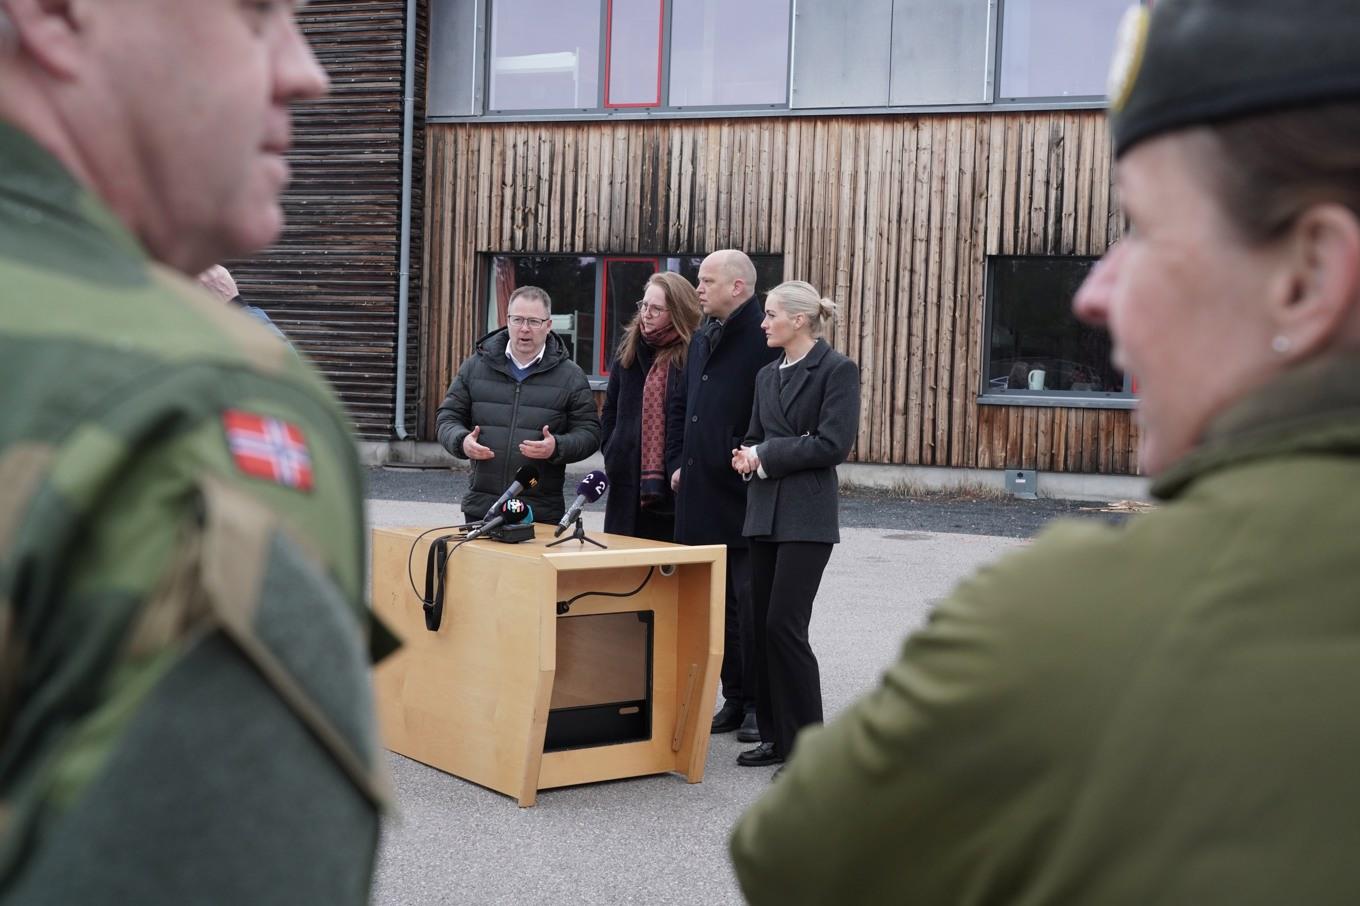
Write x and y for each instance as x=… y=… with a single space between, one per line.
x=1164 y=712
x=185 y=712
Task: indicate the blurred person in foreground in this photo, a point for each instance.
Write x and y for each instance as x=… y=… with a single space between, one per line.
x=648 y=369
x=1162 y=712
x=219 y=281
x=185 y=712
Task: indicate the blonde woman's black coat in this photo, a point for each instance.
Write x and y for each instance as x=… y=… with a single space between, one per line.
x=804 y=430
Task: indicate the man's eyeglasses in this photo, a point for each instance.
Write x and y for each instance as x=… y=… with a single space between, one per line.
x=644 y=309
x=535 y=323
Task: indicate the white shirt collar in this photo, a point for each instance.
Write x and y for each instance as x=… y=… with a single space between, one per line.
x=524 y=366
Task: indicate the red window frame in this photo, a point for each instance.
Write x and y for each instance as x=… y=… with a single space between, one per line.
x=609 y=58
x=602 y=339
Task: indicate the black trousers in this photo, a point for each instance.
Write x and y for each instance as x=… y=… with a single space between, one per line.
x=784 y=581
x=739 y=676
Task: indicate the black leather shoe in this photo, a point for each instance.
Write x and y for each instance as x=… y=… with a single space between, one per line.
x=760 y=756
x=728 y=718
x=749 y=732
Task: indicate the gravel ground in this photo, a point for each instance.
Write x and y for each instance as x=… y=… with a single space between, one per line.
x=1003 y=517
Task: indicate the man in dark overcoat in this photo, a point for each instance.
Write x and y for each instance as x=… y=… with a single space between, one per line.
x=706 y=422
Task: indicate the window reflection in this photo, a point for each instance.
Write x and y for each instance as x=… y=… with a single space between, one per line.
x=1057 y=48
x=1037 y=345
x=724 y=52
x=545 y=54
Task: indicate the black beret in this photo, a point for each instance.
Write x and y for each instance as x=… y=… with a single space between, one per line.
x=1190 y=62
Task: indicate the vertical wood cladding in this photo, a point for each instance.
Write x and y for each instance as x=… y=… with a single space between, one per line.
x=331 y=281
x=892 y=217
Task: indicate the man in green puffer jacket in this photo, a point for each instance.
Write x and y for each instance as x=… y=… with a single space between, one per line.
x=520 y=399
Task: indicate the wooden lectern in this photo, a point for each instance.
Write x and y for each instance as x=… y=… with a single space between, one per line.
x=511 y=695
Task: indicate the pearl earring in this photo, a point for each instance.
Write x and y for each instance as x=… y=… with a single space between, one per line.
x=1280 y=344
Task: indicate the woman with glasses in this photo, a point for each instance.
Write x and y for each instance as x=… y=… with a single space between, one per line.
x=647 y=369
x=804 y=421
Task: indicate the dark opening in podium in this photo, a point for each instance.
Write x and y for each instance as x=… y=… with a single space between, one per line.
x=551 y=667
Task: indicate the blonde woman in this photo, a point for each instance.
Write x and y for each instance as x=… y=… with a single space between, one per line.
x=648 y=367
x=804 y=421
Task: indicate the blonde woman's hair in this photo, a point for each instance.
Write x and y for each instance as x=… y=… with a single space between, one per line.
x=797 y=297
x=682 y=302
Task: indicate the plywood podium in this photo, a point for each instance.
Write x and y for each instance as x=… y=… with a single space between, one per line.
x=513 y=695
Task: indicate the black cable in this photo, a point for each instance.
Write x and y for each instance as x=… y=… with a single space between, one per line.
x=564 y=606
x=410 y=576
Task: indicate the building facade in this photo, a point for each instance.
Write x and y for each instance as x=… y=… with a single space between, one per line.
x=940 y=168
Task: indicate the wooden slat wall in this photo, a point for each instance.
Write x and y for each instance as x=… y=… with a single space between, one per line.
x=331 y=282
x=893 y=217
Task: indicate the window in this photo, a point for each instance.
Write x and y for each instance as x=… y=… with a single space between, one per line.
x=1036 y=347
x=634 y=53
x=545 y=54
x=625 y=282
x=595 y=58
x=569 y=281
x=939 y=52
x=729 y=53
x=1057 y=48
x=594 y=298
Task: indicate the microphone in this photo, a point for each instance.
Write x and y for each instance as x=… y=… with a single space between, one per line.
x=588 y=491
x=526 y=476
x=512 y=512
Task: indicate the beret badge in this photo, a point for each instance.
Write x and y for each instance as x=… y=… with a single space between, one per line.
x=1130 y=44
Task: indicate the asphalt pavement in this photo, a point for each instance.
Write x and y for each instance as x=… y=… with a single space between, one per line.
x=659 y=840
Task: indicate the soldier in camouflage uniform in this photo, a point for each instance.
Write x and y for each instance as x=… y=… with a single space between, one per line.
x=185 y=714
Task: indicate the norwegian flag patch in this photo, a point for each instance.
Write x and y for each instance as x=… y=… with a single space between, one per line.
x=269 y=448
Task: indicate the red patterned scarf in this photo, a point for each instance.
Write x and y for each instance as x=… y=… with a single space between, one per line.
x=653 y=488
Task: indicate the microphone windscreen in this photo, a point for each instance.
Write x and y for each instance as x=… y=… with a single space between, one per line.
x=527 y=475
x=593 y=486
x=516 y=511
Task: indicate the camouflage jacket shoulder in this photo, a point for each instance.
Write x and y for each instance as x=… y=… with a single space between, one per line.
x=170 y=469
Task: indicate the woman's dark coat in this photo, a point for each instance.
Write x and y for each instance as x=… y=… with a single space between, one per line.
x=621 y=419
x=804 y=430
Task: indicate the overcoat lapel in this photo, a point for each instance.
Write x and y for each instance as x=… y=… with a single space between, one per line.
x=801 y=376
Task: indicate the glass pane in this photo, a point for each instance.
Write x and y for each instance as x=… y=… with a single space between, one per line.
x=453 y=56
x=724 y=52
x=1037 y=344
x=634 y=53
x=626 y=281
x=844 y=54
x=939 y=52
x=1057 y=48
x=545 y=54
x=569 y=282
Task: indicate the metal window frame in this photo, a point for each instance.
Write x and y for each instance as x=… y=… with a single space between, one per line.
x=993 y=103
x=989 y=60
x=601 y=109
x=609 y=48
x=997 y=97
x=1069 y=399
x=603 y=282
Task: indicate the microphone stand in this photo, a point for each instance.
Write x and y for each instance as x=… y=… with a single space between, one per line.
x=579 y=535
